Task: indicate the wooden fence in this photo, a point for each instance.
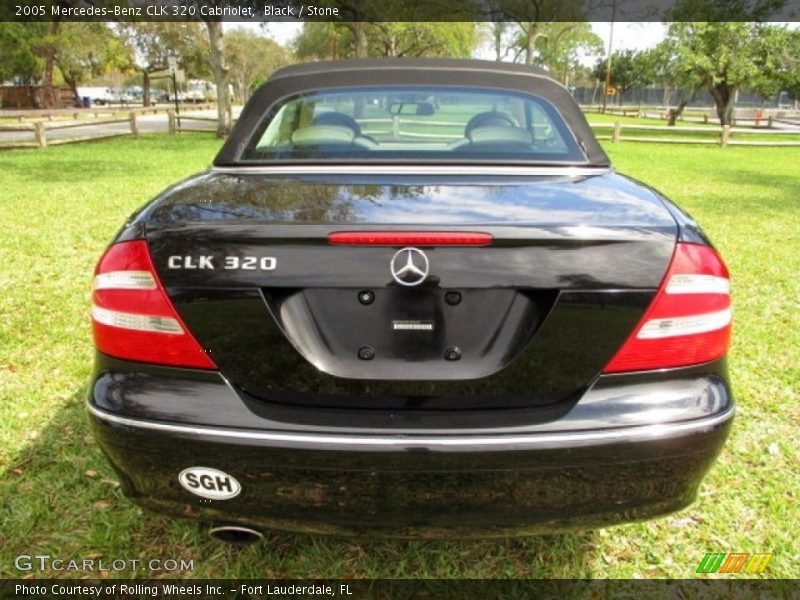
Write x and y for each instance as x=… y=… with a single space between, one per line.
x=39 y=130
x=96 y=112
x=615 y=132
x=759 y=117
x=725 y=136
x=177 y=122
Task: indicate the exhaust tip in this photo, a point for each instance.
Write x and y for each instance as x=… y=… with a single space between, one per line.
x=236 y=535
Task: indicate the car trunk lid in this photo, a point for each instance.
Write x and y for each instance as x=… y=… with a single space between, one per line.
x=530 y=318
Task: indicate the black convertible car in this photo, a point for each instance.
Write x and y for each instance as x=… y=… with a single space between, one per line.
x=411 y=298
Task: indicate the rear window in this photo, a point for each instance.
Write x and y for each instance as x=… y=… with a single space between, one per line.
x=414 y=123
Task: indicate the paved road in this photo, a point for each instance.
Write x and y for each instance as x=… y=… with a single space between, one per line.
x=147 y=124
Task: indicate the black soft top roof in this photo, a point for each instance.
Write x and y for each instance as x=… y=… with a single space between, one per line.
x=382 y=64
x=307 y=77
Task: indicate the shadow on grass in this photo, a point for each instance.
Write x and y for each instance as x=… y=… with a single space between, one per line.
x=60 y=497
x=766 y=185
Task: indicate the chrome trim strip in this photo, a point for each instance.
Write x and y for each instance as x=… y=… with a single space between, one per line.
x=442 y=443
x=469 y=170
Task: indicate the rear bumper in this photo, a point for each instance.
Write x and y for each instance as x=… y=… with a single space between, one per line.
x=540 y=478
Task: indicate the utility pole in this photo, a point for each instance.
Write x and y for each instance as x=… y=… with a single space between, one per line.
x=608 y=59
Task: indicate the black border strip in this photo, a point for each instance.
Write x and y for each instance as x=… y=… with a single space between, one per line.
x=265 y=11
x=357 y=589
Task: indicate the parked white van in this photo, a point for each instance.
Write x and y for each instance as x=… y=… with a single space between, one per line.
x=96 y=95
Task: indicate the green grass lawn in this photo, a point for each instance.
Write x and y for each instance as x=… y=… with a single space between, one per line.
x=59 y=207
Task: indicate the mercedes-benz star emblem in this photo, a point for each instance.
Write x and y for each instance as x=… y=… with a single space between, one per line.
x=409 y=266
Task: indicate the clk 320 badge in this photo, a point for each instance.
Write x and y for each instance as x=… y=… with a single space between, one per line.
x=244 y=263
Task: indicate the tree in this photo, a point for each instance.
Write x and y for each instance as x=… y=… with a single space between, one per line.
x=323 y=40
x=354 y=19
x=790 y=61
x=664 y=62
x=717 y=11
x=718 y=44
x=497 y=32
x=529 y=18
x=396 y=38
x=779 y=62
x=18 y=42
x=496 y=28
x=722 y=57
x=252 y=58
x=562 y=44
x=345 y=38
x=29 y=53
x=20 y=62
x=47 y=48
x=32 y=51
x=646 y=70
x=413 y=39
x=389 y=28
x=87 y=49
x=628 y=70
x=151 y=43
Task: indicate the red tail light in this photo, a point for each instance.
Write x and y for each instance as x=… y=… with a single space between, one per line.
x=689 y=320
x=409 y=238
x=132 y=316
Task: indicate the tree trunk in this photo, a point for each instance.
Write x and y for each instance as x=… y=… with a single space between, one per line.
x=220 y=70
x=723 y=96
x=356 y=23
x=240 y=90
x=73 y=85
x=49 y=99
x=360 y=36
x=667 y=94
x=146 y=88
x=529 y=49
x=674 y=113
x=497 y=29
